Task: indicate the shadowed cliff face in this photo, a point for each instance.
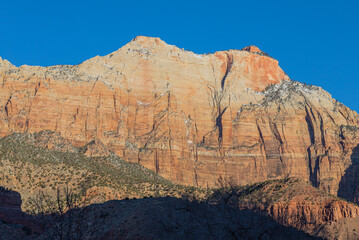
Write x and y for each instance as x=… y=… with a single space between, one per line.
x=151 y=218
x=349 y=184
x=11 y=213
x=171 y=218
x=191 y=118
x=230 y=213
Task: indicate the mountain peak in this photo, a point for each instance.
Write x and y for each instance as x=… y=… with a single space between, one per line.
x=148 y=40
x=5 y=63
x=252 y=48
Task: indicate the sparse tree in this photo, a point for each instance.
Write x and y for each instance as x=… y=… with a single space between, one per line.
x=61 y=217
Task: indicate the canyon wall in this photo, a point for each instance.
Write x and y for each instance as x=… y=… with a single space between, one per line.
x=194 y=119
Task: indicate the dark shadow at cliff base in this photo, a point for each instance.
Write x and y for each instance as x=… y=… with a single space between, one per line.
x=173 y=218
x=349 y=184
x=164 y=218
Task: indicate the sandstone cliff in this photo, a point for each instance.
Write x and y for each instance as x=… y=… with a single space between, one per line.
x=293 y=202
x=191 y=118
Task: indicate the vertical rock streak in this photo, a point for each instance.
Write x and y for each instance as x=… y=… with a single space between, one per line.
x=191 y=118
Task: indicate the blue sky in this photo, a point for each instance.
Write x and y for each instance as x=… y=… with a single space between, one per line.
x=315 y=41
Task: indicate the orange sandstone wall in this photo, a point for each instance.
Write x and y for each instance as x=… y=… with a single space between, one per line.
x=191 y=118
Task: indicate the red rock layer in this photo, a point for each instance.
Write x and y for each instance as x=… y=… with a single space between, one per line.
x=191 y=118
x=306 y=215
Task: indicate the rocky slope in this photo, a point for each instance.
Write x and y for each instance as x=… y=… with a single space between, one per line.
x=191 y=118
x=32 y=164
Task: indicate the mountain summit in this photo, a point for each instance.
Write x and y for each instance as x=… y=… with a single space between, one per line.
x=252 y=48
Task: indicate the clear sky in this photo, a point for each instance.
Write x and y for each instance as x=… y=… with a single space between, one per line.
x=315 y=41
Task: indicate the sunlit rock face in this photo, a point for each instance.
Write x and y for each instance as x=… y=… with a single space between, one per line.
x=194 y=119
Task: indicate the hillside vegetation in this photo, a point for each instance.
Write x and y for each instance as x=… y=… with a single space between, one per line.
x=29 y=169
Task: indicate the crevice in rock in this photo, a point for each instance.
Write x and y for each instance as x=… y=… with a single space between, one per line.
x=169 y=122
x=157 y=165
x=310 y=163
x=228 y=69
x=6 y=106
x=219 y=125
x=331 y=118
x=37 y=88
x=276 y=134
x=27 y=124
x=341 y=113
x=275 y=131
x=311 y=110
x=260 y=135
x=138 y=157
x=261 y=139
x=313 y=167
x=115 y=104
x=322 y=130
x=3 y=80
x=310 y=127
x=196 y=165
x=314 y=177
x=342 y=139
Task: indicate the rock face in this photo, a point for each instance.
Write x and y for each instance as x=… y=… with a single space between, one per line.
x=10 y=203
x=309 y=218
x=191 y=118
x=10 y=210
x=294 y=202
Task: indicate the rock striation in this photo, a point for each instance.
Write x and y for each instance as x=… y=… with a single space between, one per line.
x=191 y=118
x=293 y=202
